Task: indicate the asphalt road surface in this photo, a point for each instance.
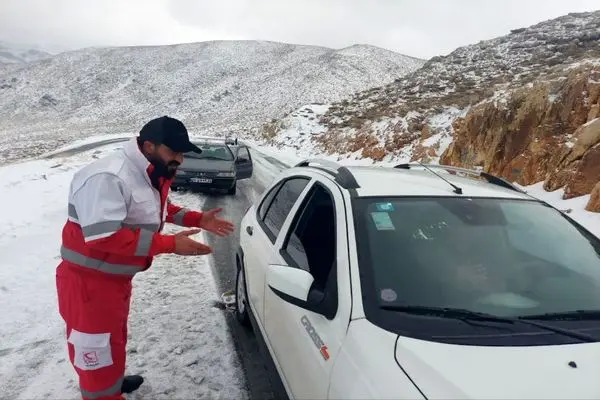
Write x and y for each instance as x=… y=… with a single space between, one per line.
x=262 y=381
x=85 y=147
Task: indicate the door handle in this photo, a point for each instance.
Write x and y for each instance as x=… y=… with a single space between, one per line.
x=249 y=230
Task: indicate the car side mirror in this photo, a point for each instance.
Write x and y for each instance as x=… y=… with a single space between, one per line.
x=296 y=286
x=291 y=284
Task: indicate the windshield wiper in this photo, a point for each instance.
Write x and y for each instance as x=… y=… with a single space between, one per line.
x=567 y=316
x=468 y=315
x=448 y=312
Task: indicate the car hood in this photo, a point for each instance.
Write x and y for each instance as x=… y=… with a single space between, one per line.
x=195 y=164
x=477 y=372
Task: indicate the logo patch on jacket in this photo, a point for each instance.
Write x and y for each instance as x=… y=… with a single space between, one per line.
x=90 y=358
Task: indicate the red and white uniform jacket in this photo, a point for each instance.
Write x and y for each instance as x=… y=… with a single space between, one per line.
x=115 y=215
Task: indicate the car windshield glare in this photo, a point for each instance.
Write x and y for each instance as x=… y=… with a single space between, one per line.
x=212 y=152
x=503 y=257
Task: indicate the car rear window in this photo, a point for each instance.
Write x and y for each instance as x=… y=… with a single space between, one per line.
x=212 y=152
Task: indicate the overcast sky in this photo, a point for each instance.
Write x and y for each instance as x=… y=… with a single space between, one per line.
x=420 y=28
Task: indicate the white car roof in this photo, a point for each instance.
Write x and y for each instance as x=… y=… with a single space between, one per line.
x=385 y=181
x=414 y=181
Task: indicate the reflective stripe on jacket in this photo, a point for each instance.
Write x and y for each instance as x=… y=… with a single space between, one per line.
x=115 y=215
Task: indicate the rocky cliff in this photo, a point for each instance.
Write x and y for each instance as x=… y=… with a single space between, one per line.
x=524 y=106
x=547 y=131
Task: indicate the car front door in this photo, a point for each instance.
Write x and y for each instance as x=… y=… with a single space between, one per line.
x=306 y=338
x=243 y=163
x=261 y=233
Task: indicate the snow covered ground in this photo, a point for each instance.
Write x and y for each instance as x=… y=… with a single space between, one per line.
x=178 y=339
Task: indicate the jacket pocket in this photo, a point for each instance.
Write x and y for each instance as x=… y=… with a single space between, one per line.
x=143 y=208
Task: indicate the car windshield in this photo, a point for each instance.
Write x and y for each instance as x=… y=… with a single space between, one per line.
x=212 y=151
x=510 y=258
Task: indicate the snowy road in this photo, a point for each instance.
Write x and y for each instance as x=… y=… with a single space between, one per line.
x=179 y=336
x=261 y=380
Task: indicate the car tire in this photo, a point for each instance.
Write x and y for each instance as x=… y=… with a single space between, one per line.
x=233 y=189
x=241 y=297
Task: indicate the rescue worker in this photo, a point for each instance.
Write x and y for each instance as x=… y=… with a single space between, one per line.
x=117 y=209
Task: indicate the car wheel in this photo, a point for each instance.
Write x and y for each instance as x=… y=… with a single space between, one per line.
x=233 y=189
x=241 y=296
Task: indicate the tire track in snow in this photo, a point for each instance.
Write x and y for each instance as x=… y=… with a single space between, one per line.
x=263 y=381
x=258 y=380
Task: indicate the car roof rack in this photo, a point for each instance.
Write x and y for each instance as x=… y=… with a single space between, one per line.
x=494 y=180
x=342 y=174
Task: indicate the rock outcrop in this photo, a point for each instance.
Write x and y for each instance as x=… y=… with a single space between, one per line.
x=547 y=132
x=594 y=203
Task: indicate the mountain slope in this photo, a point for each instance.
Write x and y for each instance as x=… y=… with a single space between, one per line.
x=212 y=86
x=11 y=53
x=507 y=105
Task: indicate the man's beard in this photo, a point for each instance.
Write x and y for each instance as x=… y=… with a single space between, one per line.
x=162 y=170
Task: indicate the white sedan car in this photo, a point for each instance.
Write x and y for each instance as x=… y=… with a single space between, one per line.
x=419 y=282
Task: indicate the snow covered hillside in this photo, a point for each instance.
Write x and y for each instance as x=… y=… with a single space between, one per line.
x=447 y=87
x=215 y=87
x=509 y=105
x=11 y=53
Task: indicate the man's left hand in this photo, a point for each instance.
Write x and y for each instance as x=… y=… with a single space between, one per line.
x=212 y=223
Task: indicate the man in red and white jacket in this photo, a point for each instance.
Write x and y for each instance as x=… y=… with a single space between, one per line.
x=117 y=208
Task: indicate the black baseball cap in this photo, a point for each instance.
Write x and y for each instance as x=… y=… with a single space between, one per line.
x=168 y=131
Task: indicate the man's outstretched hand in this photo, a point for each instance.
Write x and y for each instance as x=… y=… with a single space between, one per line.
x=212 y=223
x=184 y=246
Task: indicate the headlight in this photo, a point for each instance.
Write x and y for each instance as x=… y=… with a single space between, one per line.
x=226 y=174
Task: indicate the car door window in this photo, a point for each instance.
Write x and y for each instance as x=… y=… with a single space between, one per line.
x=264 y=206
x=311 y=243
x=243 y=154
x=282 y=203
